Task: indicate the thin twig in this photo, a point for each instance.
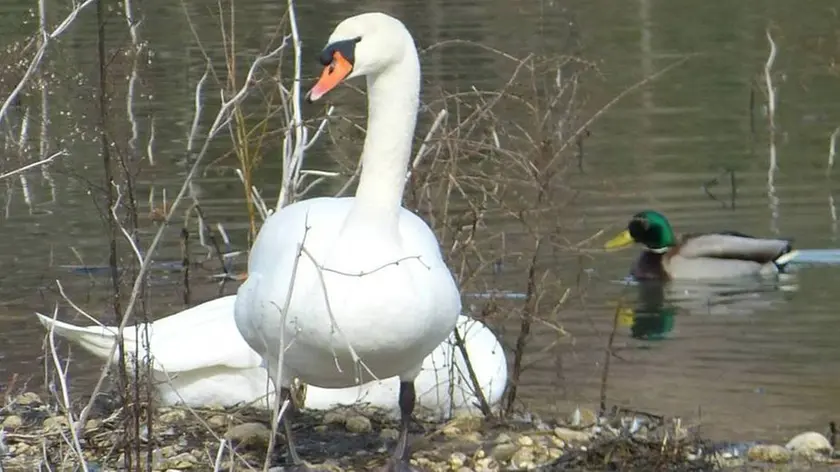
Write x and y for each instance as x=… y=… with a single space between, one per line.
x=34 y=164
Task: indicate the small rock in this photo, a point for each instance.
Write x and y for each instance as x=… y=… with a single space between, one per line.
x=554 y=452
x=217 y=421
x=451 y=431
x=809 y=442
x=582 y=417
x=769 y=453
x=184 y=460
x=503 y=452
x=93 y=424
x=20 y=448
x=522 y=458
x=321 y=428
x=525 y=441
x=358 y=424
x=467 y=422
x=249 y=434
x=55 y=423
x=503 y=437
x=464 y=469
x=335 y=417
x=570 y=435
x=27 y=398
x=472 y=437
x=12 y=423
x=169 y=451
x=389 y=433
x=558 y=442
x=457 y=460
x=173 y=416
x=487 y=464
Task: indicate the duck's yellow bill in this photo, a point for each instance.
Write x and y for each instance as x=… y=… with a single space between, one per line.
x=622 y=240
x=626 y=316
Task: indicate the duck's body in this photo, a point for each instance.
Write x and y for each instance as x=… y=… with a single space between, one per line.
x=717 y=255
x=201 y=361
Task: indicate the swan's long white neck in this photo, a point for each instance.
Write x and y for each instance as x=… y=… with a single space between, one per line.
x=393 y=99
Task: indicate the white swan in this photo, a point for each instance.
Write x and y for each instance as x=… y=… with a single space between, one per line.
x=200 y=361
x=371 y=295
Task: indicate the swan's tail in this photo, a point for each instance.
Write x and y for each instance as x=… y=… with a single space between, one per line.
x=97 y=340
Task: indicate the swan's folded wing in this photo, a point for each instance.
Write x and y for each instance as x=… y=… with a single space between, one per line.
x=202 y=336
x=733 y=246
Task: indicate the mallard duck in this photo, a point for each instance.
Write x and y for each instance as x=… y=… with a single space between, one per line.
x=200 y=360
x=341 y=291
x=699 y=256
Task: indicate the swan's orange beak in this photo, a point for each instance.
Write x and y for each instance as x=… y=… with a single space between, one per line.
x=332 y=75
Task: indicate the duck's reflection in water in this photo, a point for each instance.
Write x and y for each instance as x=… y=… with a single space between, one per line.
x=652 y=314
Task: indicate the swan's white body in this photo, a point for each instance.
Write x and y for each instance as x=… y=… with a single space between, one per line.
x=369 y=295
x=200 y=361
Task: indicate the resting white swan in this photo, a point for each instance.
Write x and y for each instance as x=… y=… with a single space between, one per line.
x=200 y=360
x=369 y=295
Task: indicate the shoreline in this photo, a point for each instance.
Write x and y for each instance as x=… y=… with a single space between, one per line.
x=358 y=438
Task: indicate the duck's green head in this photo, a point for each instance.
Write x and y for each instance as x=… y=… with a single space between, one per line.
x=647 y=227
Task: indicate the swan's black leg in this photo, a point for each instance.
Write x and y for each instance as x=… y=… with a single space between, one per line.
x=399 y=459
x=297 y=463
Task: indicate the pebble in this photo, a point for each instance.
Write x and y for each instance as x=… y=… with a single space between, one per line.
x=217 y=421
x=173 y=416
x=769 y=453
x=12 y=422
x=169 y=451
x=54 y=423
x=457 y=459
x=335 y=417
x=451 y=431
x=487 y=464
x=582 y=417
x=27 y=398
x=525 y=441
x=472 y=437
x=809 y=442
x=358 y=424
x=249 y=434
x=93 y=424
x=570 y=435
x=185 y=460
x=503 y=438
x=503 y=452
x=389 y=433
x=522 y=457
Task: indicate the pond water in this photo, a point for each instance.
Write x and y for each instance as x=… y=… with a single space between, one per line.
x=757 y=362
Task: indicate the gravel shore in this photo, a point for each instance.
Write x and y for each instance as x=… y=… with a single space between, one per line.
x=35 y=435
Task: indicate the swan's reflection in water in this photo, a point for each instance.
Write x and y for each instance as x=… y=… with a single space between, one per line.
x=653 y=312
